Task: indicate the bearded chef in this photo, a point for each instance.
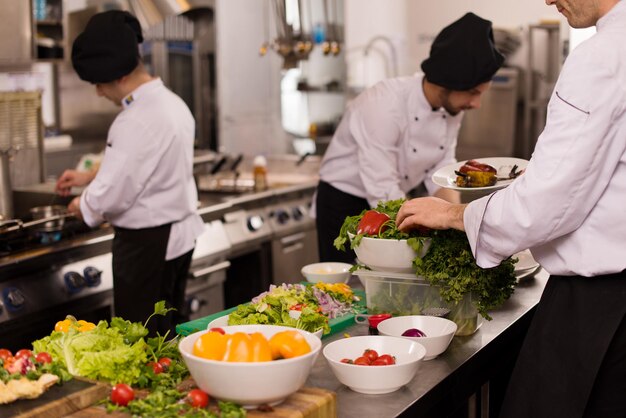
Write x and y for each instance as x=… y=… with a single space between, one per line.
x=144 y=186
x=396 y=134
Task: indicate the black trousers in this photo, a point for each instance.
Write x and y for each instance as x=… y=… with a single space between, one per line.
x=142 y=277
x=573 y=359
x=332 y=207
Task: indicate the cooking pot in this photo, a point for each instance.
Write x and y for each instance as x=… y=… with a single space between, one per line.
x=49 y=218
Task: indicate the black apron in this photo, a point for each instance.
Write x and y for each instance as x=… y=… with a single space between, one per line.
x=331 y=207
x=573 y=359
x=142 y=277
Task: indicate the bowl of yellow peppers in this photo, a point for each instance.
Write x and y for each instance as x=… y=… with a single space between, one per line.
x=250 y=364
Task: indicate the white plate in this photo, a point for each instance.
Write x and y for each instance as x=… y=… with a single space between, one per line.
x=526 y=265
x=445 y=176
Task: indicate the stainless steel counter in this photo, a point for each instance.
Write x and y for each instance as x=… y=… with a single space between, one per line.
x=476 y=364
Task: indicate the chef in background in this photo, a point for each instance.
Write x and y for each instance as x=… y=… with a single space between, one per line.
x=144 y=186
x=568 y=208
x=396 y=134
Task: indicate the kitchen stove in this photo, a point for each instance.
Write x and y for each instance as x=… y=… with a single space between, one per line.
x=45 y=276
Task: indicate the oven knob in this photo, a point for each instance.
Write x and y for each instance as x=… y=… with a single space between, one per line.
x=297 y=213
x=92 y=276
x=282 y=217
x=74 y=282
x=13 y=298
x=255 y=222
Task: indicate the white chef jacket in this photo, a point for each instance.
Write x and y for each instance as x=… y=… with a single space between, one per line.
x=569 y=207
x=389 y=141
x=146 y=176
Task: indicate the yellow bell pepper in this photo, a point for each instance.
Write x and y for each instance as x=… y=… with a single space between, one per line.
x=71 y=323
x=239 y=348
x=288 y=344
x=211 y=345
x=261 y=350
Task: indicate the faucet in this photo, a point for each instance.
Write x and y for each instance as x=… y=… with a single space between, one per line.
x=392 y=49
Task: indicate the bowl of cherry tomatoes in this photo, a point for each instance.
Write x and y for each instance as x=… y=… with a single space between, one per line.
x=374 y=364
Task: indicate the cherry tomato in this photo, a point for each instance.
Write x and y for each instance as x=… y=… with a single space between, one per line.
x=165 y=362
x=156 y=367
x=5 y=354
x=197 y=398
x=122 y=394
x=387 y=359
x=218 y=329
x=362 y=361
x=347 y=360
x=23 y=353
x=370 y=354
x=43 y=358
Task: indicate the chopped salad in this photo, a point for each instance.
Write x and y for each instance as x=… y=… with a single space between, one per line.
x=307 y=307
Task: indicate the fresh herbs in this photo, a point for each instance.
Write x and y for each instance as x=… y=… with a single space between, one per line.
x=348 y=232
x=450 y=265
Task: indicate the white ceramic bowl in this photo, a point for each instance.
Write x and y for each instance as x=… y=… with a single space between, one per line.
x=439 y=331
x=250 y=384
x=389 y=255
x=374 y=379
x=222 y=322
x=327 y=272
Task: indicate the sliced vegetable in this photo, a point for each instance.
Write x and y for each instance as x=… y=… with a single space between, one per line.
x=373 y=223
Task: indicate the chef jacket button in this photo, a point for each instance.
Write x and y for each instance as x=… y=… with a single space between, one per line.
x=426 y=171
x=416 y=118
x=443 y=116
x=406 y=177
x=440 y=146
x=414 y=149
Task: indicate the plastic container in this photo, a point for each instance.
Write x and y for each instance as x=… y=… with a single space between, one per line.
x=406 y=294
x=259 y=172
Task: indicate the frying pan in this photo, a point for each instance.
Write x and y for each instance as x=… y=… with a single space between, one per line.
x=45 y=219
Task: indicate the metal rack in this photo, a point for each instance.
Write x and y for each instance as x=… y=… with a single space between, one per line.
x=539 y=83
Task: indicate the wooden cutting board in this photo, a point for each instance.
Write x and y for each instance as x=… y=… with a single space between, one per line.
x=58 y=401
x=308 y=402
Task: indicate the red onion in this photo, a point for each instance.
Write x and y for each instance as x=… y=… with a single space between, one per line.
x=413 y=332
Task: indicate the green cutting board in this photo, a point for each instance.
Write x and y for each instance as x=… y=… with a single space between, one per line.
x=336 y=324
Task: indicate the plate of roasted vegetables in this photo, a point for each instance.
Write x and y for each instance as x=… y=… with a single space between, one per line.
x=491 y=173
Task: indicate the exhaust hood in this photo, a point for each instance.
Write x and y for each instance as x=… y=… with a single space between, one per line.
x=152 y=12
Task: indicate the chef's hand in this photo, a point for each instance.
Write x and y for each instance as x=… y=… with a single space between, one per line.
x=71 y=178
x=74 y=208
x=431 y=212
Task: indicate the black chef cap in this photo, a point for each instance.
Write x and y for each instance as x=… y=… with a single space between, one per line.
x=463 y=55
x=108 y=48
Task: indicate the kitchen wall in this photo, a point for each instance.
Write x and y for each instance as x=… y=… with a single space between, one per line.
x=411 y=25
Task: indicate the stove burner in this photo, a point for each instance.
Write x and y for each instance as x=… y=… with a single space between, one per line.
x=31 y=238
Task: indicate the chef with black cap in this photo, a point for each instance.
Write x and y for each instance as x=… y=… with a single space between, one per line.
x=394 y=135
x=144 y=186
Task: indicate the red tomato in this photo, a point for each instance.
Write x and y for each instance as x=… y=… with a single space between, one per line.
x=347 y=360
x=387 y=359
x=362 y=361
x=5 y=354
x=165 y=362
x=156 y=367
x=218 y=329
x=122 y=394
x=24 y=353
x=43 y=357
x=372 y=223
x=197 y=398
x=370 y=354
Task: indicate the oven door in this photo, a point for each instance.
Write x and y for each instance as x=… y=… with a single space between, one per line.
x=205 y=289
